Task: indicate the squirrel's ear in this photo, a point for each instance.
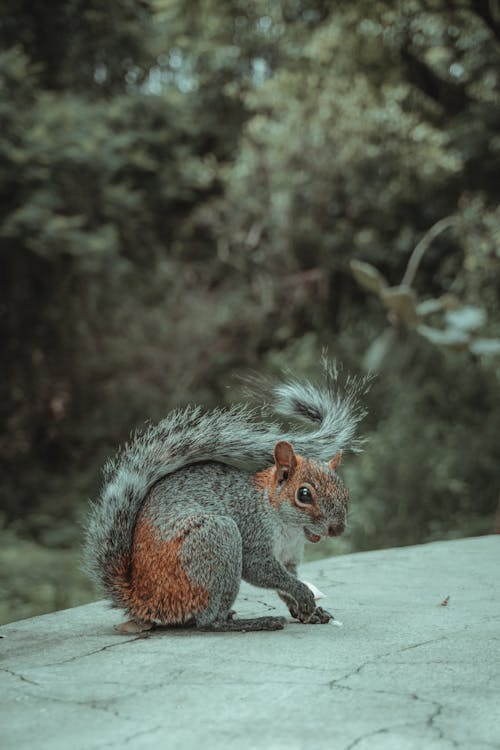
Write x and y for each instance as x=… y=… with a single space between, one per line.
x=335 y=461
x=285 y=460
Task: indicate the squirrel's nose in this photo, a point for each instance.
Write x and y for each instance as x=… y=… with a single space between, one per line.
x=336 y=529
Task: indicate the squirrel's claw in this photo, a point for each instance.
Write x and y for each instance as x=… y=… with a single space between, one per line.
x=319 y=617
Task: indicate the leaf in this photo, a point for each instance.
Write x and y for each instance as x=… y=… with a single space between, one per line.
x=368 y=276
x=402 y=301
x=436 y=304
x=467 y=318
x=488 y=347
x=378 y=350
x=429 y=306
x=452 y=338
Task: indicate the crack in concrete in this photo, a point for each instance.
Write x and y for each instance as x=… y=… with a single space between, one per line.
x=430 y=721
x=274 y=665
x=355 y=742
x=96 y=705
x=131 y=738
x=269 y=607
x=19 y=676
x=354 y=672
x=385 y=655
x=96 y=651
x=106 y=707
x=422 y=643
x=84 y=655
x=92 y=704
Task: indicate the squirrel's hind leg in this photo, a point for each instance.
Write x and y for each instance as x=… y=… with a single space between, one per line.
x=219 y=572
x=185 y=570
x=213 y=560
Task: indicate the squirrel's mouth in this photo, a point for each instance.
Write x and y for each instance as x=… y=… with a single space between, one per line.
x=314 y=538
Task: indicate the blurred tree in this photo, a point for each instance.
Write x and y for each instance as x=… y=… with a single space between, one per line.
x=115 y=120
x=85 y=46
x=96 y=174
x=378 y=140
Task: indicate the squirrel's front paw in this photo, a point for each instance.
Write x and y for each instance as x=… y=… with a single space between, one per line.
x=305 y=604
x=319 y=617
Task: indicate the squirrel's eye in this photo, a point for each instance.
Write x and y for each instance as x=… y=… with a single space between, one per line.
x=304 y=495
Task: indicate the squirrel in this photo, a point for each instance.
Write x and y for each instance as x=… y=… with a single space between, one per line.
x=201 y=500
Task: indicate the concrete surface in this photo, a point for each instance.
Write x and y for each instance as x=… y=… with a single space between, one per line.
x=404 y=671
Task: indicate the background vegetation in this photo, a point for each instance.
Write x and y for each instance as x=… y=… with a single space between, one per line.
x=191 y=190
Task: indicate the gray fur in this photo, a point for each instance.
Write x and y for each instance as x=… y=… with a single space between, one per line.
x=233 y=437
x=221 y=539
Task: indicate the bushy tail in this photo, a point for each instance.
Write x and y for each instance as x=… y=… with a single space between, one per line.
x=335 y=407
x=233 y=436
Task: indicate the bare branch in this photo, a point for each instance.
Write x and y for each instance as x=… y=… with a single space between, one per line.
x=421 y=247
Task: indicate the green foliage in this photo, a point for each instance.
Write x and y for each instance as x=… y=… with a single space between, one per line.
x=84 y=45
x=194 y=189
x=369 y=147
x=432 y=468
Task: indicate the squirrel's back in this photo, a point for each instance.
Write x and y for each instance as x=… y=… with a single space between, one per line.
x=232 y=436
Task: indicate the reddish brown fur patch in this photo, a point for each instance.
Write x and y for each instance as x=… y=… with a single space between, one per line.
x=267 y=480
x=119 y=581
x=159 y=587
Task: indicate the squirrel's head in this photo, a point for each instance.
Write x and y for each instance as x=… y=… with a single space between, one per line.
x=306 y=493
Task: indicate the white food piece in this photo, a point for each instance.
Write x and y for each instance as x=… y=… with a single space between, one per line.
x=315 y=591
